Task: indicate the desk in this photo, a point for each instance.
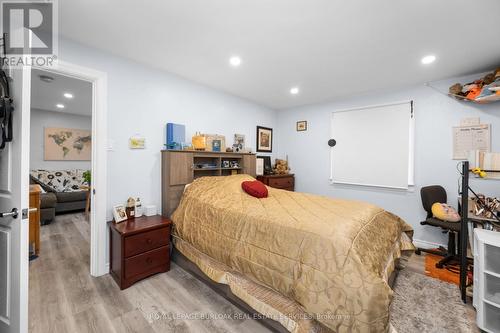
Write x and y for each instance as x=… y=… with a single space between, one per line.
x=34 y=218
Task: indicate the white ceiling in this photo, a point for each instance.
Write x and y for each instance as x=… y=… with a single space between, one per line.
x=45 y=96
x=328 y=48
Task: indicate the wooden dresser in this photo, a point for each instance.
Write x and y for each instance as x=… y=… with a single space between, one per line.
x=181 y=167
x=284 y=182
x=139 y=248
x=34 y=218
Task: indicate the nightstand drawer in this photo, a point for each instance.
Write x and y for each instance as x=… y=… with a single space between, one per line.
x=146 y=241
x=139 y=248
x=284 y=182
x=146 y=262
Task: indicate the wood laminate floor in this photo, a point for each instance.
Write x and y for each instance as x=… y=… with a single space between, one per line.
x=65 y=298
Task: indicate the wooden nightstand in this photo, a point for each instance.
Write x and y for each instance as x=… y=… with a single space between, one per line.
x=284 y=182
x=139 y=248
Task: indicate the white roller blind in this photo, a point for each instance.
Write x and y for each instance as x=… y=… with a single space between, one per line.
x=374 y=146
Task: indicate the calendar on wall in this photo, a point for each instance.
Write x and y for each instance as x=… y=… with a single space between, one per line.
x=471 y=138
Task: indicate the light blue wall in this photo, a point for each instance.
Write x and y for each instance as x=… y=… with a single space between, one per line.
x=142 y=100
x=40 y=119
x=436 y=113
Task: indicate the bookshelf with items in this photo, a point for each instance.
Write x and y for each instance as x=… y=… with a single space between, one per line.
x=219 y=164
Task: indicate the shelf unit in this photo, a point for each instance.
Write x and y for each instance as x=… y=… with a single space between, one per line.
x=212 y=164
x=482 y=100
x=181 y=167
x=495 y=97
x=486 y=298
x=463 y=235
x=488 y=84
x=466 y=217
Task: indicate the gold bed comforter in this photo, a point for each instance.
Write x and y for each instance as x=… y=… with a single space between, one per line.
x=331 y=256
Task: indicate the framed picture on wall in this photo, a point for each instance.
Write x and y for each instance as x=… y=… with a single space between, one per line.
x=264 y=139
x=301 y=126
x=239 y=143
x=137 y=142
x=67 y=144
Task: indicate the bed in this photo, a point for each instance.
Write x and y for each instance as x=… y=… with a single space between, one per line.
x=311 y=263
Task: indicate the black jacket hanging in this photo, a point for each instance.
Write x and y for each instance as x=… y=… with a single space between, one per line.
x=6 y=109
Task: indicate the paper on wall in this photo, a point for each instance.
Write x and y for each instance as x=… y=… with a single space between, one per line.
x=473 y=121
x=469 y=138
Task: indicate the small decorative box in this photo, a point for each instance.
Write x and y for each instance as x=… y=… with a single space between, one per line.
x=150 y=210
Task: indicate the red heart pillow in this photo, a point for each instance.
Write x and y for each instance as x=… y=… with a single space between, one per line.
x=255 y=188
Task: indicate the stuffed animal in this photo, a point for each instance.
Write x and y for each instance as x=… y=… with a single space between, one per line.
x=456 y=90
x=497 y=74
x=478 y=89
x=281 y=167
x=489 y=78
x=445 y=212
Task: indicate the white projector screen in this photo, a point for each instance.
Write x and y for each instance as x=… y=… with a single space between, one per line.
x=374 y=146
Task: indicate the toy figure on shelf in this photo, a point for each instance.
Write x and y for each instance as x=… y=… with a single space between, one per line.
x=281 y=167
x=130 y=208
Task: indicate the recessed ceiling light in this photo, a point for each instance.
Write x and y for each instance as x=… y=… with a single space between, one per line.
x=60 y=106
x=294 y=90
x=235 y=61
x=46 y=78
x=428 y=59
x=68 y=95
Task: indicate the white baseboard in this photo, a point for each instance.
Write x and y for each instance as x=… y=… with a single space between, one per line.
x=107 y=268
x=427 y=245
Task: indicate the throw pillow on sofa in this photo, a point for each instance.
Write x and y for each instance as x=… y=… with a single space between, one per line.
x=60 y=180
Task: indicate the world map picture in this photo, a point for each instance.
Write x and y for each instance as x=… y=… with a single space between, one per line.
x=67 y=144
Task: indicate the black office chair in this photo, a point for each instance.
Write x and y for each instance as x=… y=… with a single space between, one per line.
x=430 y=195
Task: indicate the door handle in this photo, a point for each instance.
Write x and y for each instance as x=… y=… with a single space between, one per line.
x=14 y=213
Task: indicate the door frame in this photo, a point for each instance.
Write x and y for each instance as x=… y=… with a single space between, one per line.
x=98 y=225
x=18 y=317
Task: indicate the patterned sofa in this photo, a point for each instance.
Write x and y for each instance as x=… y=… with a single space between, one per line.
x=63 y=191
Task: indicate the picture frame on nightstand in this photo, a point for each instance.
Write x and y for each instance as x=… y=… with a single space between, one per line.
x=119 y=213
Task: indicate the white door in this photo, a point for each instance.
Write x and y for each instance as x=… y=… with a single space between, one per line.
x=14 y=193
